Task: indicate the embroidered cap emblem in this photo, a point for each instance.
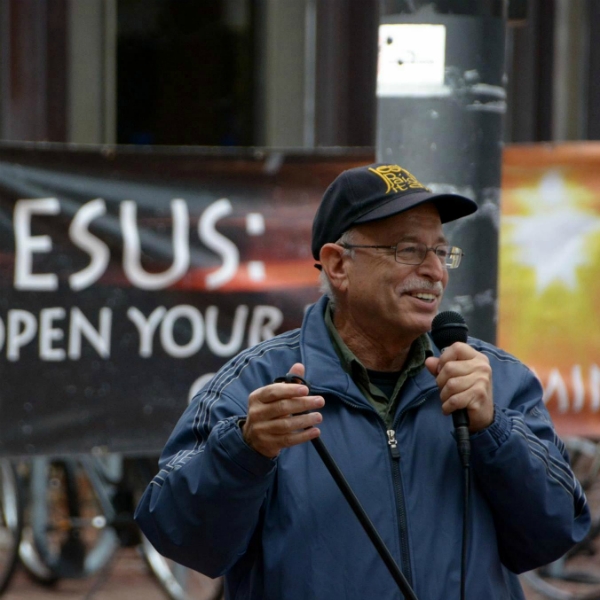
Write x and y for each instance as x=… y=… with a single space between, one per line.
x=398 y=179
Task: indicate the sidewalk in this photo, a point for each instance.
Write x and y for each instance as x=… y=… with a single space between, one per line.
x=127 y=579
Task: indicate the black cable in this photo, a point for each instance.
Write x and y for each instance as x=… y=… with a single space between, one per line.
x=463 y=443
x=465 y=531
x=448 y=328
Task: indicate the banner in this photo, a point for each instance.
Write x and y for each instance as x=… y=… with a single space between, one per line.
x=128 y=277
x=549 y=290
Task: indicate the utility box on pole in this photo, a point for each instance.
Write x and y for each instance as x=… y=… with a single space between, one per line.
x=440 y=113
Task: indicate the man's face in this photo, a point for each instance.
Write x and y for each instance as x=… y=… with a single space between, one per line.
x=387 y=298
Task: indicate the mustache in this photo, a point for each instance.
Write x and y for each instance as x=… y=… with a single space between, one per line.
x=415 y=283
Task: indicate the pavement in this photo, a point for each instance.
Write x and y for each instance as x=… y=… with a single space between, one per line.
x=128 y=578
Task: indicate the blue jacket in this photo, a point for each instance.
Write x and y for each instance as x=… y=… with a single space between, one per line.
x=281 y=530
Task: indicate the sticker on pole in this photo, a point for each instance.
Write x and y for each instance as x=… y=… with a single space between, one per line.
x=411 y=60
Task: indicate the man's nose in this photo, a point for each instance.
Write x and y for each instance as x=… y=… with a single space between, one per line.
x=432 y=265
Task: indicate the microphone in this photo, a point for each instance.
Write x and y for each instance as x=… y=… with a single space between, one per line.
x=449 y=327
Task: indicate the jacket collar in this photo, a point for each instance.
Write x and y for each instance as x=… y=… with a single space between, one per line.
x=323 y=369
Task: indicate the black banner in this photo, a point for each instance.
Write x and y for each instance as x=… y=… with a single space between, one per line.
x=129 y=275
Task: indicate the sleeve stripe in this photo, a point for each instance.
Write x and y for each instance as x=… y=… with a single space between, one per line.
x=229 y=374
x=556 y=470
x=499 y=355
x=559 y=469
x=536 y=452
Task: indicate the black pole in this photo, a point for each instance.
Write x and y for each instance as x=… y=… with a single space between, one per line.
x=442 y=119
x=364 y=519
x=354 y=502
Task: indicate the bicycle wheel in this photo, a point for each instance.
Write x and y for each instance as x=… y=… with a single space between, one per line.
x=11 y=521
x=32 y=562
x=575 y=576
x=179 y=582
x=69 y=523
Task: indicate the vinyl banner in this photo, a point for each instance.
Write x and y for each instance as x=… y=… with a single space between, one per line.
x=128 y=277
x=549 y=291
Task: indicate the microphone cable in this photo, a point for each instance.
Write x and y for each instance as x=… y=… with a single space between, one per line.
x=447 y=328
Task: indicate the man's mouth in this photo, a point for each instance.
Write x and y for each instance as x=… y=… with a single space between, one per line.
x=423 y=296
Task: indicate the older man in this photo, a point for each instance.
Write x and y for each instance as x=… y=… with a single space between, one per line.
x=241 y=493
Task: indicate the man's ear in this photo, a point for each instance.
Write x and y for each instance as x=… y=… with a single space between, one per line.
x=332 y=260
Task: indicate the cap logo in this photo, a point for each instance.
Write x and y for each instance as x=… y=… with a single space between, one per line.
x=397 y=179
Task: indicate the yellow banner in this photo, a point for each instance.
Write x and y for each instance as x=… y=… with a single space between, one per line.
x=549 y=288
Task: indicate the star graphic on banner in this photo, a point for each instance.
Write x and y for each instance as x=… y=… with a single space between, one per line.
x=552 y=238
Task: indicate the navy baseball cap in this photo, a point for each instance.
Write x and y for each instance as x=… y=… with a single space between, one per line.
x=375 y=192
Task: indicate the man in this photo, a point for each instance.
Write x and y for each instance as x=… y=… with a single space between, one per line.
x=241 y=493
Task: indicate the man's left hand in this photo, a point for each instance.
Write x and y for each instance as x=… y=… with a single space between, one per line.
x=464 y=377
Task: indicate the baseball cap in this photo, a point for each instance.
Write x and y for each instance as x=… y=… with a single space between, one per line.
x=374 y=192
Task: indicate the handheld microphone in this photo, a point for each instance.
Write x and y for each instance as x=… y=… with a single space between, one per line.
x=449 y=327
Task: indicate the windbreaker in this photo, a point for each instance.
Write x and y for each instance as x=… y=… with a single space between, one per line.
x=280 y=529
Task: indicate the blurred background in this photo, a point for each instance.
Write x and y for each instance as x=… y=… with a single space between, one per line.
x=299 y=73
x=231 y=117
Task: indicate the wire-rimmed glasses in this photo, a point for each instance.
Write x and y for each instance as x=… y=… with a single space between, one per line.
x=414 y=253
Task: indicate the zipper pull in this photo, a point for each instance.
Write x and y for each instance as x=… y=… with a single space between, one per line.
x=393 y=443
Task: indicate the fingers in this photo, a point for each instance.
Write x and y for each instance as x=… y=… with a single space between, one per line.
x=279 y=416
x=432 y=365
x=293 y=423
x=281 y=399
x=297 y=369
x=269 y=438
x=464 y=377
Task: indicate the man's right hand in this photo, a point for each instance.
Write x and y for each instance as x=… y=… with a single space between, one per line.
x=274 y=420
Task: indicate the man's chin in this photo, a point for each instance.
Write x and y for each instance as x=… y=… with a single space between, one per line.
x=423 y=324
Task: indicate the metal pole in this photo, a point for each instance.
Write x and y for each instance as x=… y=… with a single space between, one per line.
x=310 y=72
x=440 y=112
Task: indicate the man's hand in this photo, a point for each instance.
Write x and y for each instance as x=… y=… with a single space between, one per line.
x=274 y=420
x=464 y=377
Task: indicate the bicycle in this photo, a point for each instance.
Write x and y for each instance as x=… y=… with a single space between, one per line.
x=575 y=575
x=11 y=521
x=80 y=512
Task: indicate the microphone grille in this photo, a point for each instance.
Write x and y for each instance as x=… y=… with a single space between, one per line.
x=448 y=327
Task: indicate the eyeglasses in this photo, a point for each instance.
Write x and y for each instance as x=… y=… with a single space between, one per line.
x=414 y=253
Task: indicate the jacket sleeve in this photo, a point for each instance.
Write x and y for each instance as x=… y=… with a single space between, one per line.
x=203 y=506
x=523 y=470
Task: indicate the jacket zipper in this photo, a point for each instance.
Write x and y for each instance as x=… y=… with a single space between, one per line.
x=398 y=489
x=393 y=443
x=400 y=506
x=396 y=479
